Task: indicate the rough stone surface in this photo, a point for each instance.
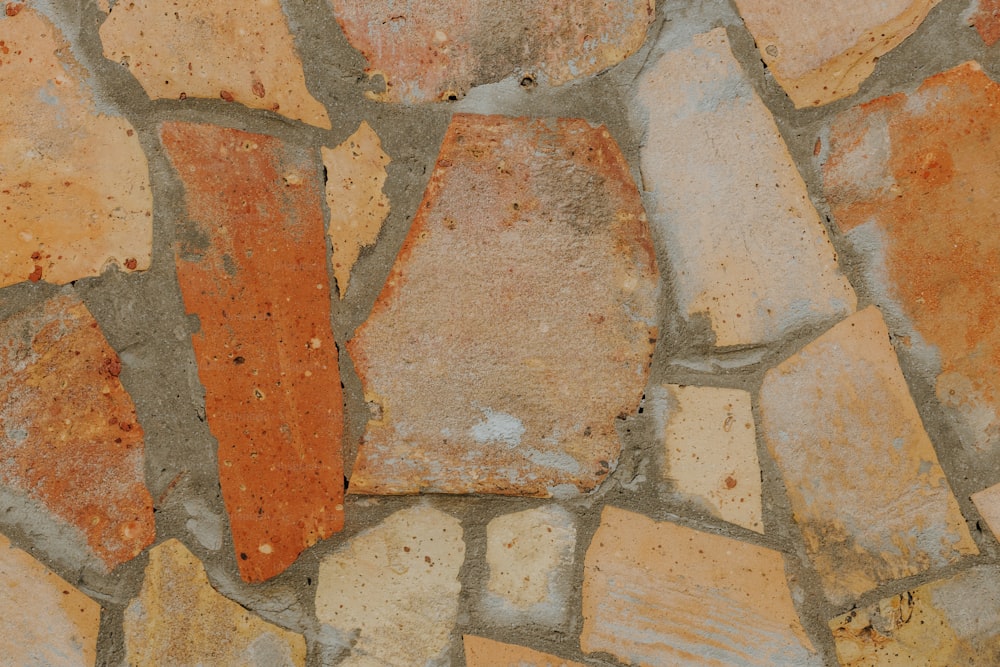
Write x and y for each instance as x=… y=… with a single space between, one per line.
x=504 y=372
x=662 y=594
x=985 y=16
x=179 y=619
x=987 y=502
x=74 y=186
x=253 y=268
x=840 y=410
x=391 y=593
x=482 y=652
x=756 y=260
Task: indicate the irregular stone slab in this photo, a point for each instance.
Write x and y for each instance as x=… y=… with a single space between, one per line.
x=437 y=51
x=481 y=652
x=822 y=56
x=69 y=437
x=908 y=171
x=710 y=449
x=985 y=16
x=391 y=593
x=862 y=477
x=73 y=181
x=355 y=176
x=179 y=619
x=43 y=619
x=950 y=622
x=252 y=267
x=517 y=322
x=757 y=262
x=987 y=502
x=662 y=594
x=186 y=48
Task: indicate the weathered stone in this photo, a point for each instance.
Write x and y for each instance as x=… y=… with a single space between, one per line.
x=43 y=619
x=748 y=249
x=179 y=619
x=862 y=477
x=69 y=438
x=74 y=185
x=517 y=322
x=252 y=266
x=985 y=16
x=437 y=51
x=710 y=449
x=391 y=593
x=662 y=594
x=481 y=652
x=987 y=502
x=186 y=48
x=819 y=55
x=945 y=623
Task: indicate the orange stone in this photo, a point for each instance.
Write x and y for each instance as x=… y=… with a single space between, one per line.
x=69 y=438
x=517 y=324
x=482 y=652
x=252 y=266
x=986 y=18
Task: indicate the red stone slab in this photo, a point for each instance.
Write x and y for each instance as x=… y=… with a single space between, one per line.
x=253 y=268
x=986 y=19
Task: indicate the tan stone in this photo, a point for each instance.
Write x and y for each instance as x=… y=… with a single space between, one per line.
x=179 y=619
x=481 y=652
x=662 y=594
x=862 y=477
x=987 y=502
x=43 y=619
x=823 y=53
x=187 y=48
x=746 y=244
x=390 y=594
x=74 y=184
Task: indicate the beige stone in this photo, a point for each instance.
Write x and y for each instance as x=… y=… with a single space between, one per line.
x=861 y=474
x=73 y=179
x=662 y=594
x=823 y=53
x=748 y=249
x=390 y=594
x=482 y=652
x=179 y=619
x=43 y=619
x=987 y=502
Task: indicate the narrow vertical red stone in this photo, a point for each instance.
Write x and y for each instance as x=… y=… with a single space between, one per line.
x=253 y=268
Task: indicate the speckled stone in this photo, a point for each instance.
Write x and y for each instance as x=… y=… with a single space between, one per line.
x=482 y=652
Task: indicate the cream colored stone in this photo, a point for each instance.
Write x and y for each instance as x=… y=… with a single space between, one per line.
x=987 y=502
x=179 y=619
x=747 y=245
x=391 y=593
x=481 y=652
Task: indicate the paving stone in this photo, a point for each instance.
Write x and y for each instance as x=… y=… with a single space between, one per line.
x=951 y=622
x=985 y=16
x=482 y=652
x=662 y=594
x=252 y=266
x=861 y=474
x=987 y=502
x=69 y=437
x=43 y=619
x=505 y=372
x=710 y=448
x=437 y=51
x=74 y=185
x=391 y=593
x=179 y=619
x=822 y=56
x=238 y=52
x=757 y=262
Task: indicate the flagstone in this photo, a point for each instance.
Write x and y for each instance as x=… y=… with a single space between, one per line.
x=985 y=16
x=987 y=502
x=482 y=652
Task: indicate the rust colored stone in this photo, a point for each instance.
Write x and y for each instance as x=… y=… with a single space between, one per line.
x=482 y=652
x=517 y=322
x=986 y=19
x=252 y=265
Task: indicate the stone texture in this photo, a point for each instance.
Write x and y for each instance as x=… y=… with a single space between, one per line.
x=985 y=16
x=186 y=48
x=179 y=619
x=390 y=594
x=710 y=449
x=987 y=502
x=252 y=266
x=74 y=186
x=69 y=437
x=43 y=620
x=662 y=594
x=437 y=51
x=822 y=54
x=945 y=623
x=862 y=477
x=517 y=322
x=481 y=652
x=355 y=176
x=748 y=249
x=917 y=172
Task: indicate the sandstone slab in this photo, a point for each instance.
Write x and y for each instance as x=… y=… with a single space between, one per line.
x=987 y=502
x=252 y=266
x=985 y=16
x=482 y=652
